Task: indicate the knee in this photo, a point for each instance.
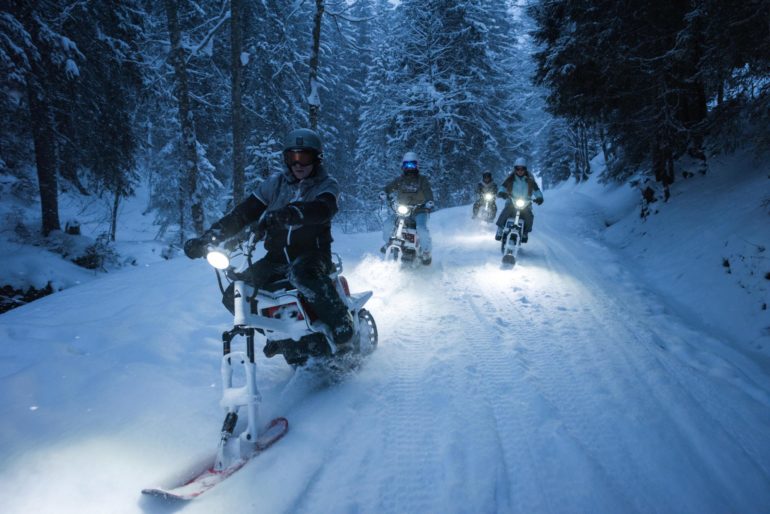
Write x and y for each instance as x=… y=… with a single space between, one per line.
x=306 y=271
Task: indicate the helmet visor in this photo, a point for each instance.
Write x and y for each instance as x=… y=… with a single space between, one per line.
x=409 y=165
x=303 y=157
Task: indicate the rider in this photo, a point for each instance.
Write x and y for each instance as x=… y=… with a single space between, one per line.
x=487 y=185
x=298 y=205
x=414 y=189
x=519 y=184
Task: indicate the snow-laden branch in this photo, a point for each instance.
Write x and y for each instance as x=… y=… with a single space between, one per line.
x=224 y=15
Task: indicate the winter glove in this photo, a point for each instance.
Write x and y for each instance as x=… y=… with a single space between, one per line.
x=197 y=247
x=429 y=205
x=538 y=201
x=502 y=194
x=283 y=217
x=383 y=196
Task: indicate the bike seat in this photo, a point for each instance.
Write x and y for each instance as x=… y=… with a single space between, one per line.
x=285 y=284
x=278 y=285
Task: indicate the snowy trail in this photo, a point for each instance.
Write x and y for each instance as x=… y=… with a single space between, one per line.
x=535 y=390
x=559 y=386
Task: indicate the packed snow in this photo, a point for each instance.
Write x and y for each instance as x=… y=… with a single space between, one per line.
x=619 y=367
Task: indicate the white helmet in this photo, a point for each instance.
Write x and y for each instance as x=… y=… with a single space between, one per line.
x=520 y=161
x=409 y=162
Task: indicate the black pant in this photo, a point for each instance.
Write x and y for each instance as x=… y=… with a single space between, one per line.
x=526 y=214
x=309 y=273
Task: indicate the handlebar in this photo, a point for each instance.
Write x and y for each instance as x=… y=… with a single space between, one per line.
x=406 y=209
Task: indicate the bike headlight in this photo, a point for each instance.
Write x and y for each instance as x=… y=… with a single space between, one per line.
x=488 y=197
x=218 y=259
x=520 y=203
x=403 y=209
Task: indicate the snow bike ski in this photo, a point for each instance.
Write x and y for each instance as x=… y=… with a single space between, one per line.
x=281 y=316
x=404 y=243
x=512 y=234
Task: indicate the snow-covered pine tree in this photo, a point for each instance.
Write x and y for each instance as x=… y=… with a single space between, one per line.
x=164 y=137
x=346 y=52
x=451 y=88
x=652 y=75
x=275 y=80
x=376 y=160
x=39 y=59
x=104 y=100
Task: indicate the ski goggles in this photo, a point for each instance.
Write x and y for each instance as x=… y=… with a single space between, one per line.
x=409 y=165
x=301 y=157
x=519 y=168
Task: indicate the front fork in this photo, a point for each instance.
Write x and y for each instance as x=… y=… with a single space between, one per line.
x=398 y=234
x=514 y=230
x=233 y=398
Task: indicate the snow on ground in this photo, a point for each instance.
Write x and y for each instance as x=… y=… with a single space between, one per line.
x=579 y=381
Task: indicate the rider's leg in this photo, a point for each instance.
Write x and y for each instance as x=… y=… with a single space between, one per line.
x=387 y=230
x=421 y=222
x=258 y=275
x=529 y=218
x=504 y=215
x=387 y=227
x=309 y=273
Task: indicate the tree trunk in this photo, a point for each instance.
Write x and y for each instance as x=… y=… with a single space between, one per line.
x=114 y=214
x=313 y=98
x=45 y=155
x=607 y=150
x=186 y=120
x=239 y=147
x=42 y=122
x=663 y=164
x=579 y=143
x=584 y=150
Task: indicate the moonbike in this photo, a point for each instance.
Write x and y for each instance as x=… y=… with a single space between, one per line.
x=282 y=318
x=487 y=209
x=404 y=243
x=513 y=232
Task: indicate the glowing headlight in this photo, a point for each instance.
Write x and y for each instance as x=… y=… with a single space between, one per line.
x=403 y=209
x=488 y=197
x=218 y=259
x=520 y=203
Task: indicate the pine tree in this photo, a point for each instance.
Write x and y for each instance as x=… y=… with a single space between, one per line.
x=644 y=72
x=105 y=100
x=40 y=59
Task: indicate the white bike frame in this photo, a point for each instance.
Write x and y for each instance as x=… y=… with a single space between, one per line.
x=398 y=242
x=515 y=226
x=247 y=323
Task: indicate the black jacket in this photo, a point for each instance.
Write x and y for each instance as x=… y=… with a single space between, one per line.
x=315 y=198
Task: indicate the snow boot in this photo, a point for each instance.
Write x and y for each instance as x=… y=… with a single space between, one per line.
x=343 y=332
x=499 y=234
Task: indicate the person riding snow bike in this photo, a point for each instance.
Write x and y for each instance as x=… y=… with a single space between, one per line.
x=413 y=190
x=484 y=189
x=296 y=207
x=519 y=184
